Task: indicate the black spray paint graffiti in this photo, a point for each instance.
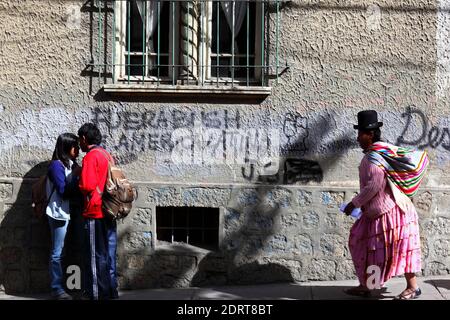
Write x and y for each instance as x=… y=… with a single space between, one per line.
x=423 y=137
x=295 y=128
x=289 y=170
x=294 y=170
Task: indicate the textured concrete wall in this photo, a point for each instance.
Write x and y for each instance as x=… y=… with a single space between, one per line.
x=279 y=223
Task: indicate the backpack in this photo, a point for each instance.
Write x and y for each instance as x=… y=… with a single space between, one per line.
x=39 y=200
x=118 y=194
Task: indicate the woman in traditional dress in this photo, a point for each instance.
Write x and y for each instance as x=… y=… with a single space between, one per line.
x=386 y=237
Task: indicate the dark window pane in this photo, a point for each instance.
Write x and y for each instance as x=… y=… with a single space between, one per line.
x=164 y=234
x=180 y=217
x=179 y=235
x=164 y=218
x=189 y=225
x=195 y=217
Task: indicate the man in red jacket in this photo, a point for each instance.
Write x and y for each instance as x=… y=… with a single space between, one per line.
x=100 y=233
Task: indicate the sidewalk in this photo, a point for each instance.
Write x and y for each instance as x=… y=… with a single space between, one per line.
x=433 y=288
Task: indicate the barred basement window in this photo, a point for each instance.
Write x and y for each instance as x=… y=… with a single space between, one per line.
x=192 y=225
x=193 y=46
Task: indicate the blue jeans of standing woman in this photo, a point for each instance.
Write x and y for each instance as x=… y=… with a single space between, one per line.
x=58 y=230
x=111 y=231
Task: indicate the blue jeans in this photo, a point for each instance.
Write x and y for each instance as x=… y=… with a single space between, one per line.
x=111 y=227
x=58 y=230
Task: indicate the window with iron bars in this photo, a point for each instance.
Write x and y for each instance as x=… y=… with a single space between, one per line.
x=196 y=226
x=203 y=45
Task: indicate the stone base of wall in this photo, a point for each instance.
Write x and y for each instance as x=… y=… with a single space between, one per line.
x=267 y=234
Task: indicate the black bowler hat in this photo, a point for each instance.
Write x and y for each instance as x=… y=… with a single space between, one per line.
x=368 y=120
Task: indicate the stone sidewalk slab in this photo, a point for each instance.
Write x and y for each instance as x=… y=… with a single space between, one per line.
x=433 y=288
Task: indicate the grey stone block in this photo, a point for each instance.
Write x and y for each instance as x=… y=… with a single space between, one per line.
x=258 y=222
x=6 y=191
x=15 y=281
x=38 y=258
x=16 y=215
x=442 y=247
x=304 y=198
x=213 y=264
x=11 y=255
x=331 y=221
x=436 y=268
x=303 y=244
x=165 y=196
x=40 y=235
x=310 y=220
x=247 y=197
x=423 y=202
x=424 y=247
x=39 y=280
x=135 y=261
x=278 y=244
x=320 y=269
x=231 y=219
x=436 y=226
x=345 y=270
x=290 y=220
x=142 y=217
x=294 y=267
x=205 y=197
x=333 y=199
x=139 y=241
x=333 y=245
x=279 y=198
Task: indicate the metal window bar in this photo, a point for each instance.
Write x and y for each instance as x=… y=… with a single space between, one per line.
x=159 y=42
x=217 y=41
x=99 y=39
x=173 y=42
x=277 y=27
x=233 y=13
x=172 y=226
x=262 y=43
x=129 y=38
x=187 y=226
x=113 y=43
x=202 y=41
x=248 y=40
x=103 y=66
x=144 y=41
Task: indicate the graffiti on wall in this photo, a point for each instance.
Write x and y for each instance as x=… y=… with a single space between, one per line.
x=296 y=130
x=420 y=133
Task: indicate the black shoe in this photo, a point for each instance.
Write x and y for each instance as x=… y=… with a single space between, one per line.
x=82 y=296
x=62 y=296
x=114 y=295
x=409 y=296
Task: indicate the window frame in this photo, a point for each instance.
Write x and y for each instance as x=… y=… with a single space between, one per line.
x=256 y=84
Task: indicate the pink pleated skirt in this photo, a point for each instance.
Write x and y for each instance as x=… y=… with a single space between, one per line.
x=391 y=242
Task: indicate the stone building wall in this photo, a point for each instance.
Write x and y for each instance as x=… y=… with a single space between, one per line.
x=279 y=218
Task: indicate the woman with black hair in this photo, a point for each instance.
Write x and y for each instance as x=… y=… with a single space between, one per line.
x=386 y=237
x=62 y=183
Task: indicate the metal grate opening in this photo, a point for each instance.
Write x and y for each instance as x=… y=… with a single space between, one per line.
x=196 y=226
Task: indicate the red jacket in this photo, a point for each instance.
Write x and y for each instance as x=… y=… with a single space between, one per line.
x=93 y=177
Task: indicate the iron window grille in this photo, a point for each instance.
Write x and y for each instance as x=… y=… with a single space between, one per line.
x=207 y=44
x=196 y=226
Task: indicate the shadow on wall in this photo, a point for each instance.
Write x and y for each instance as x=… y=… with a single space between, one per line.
x=24 y=241
x=249 y=253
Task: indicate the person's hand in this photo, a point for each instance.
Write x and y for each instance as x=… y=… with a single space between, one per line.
x=349 y=208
